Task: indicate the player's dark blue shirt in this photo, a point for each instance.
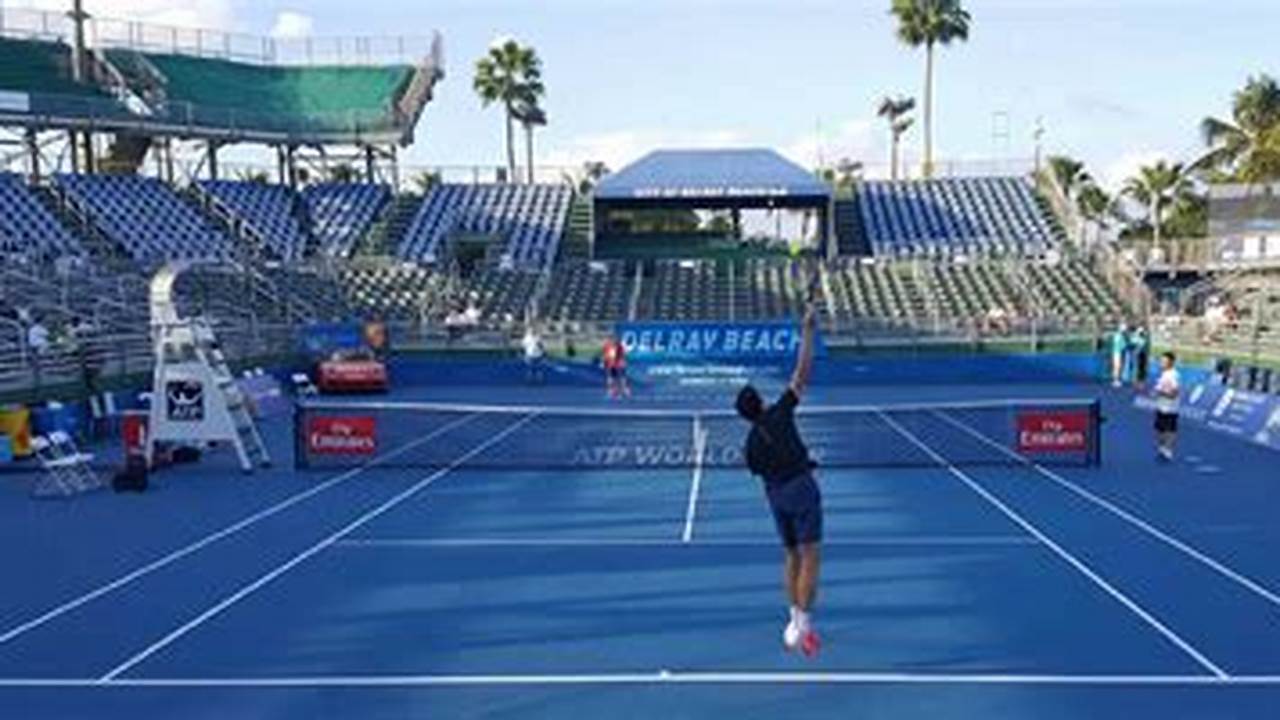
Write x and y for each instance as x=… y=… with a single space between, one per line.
x=774 y=450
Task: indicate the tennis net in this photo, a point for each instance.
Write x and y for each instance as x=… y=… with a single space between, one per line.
x=340 y=434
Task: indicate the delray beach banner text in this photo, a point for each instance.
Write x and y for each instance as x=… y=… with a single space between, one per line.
x=657 y=341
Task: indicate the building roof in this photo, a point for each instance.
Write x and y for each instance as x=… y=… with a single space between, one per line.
x=719 y=175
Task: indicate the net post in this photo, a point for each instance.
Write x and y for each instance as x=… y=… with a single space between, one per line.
x=299 y=442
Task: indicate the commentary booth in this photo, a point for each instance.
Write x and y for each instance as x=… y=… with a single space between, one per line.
x=668 y=185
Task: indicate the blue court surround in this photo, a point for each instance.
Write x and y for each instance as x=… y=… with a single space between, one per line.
x=1134 y=590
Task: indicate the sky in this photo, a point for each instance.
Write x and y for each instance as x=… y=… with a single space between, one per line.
x=1117 y=83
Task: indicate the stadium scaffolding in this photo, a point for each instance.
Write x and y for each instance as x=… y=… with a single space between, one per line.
x=151 y=85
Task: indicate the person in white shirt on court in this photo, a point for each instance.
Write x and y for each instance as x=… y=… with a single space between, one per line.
x=1167 y=391
x=534 y=355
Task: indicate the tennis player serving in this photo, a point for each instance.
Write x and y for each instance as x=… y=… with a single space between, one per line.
x=776 y=453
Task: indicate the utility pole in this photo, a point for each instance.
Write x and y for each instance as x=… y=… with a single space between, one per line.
x=80 y=74
x=1038 y=134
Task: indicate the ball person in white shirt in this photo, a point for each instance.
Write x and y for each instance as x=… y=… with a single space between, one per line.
x=1167 y=390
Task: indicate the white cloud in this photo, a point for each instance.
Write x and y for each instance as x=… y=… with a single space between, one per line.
x=291 y=25
x=853 y=139
x=1113 y=175
x=619 y=148
x=204 y=14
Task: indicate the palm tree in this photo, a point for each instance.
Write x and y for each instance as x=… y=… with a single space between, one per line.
x=848 y=171
x=1157 y=187
x=343 y=173
x=593 y=171
x=426 y=180
x=1069 y=175
x=508 y=75
x=1093 y=202
x=894 y=111
x=1247 y=146
x=930 y=23
x=530 y=116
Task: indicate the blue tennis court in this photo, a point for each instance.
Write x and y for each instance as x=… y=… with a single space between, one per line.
x=950 y=589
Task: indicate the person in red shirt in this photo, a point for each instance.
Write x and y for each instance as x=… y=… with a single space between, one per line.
x=615 y=367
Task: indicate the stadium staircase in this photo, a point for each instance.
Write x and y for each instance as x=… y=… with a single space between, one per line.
x=388 y=231
x=338 y=215
x=851 y=237
x=576 y=244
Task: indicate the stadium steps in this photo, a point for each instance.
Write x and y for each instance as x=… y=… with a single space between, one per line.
x=221 y=221
x=388 y=231
x=851 y=236
x=105 y=253
x=577 y=240
x=908 y=291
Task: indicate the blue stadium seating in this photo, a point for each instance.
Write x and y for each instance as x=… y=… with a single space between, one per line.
x=145 y=217
x=532 y=217
x=268 y=210
x=27 y=227
x=961 y=216
x=341 y=214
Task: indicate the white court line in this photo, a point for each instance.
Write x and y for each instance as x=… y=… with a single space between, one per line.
x=695 y=485
x=661 y=677
x=513 y=542
x=225 y=532
x=1129 y=517
x=1061 y=552
x=296 y=560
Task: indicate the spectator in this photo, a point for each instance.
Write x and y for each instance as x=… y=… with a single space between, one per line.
x=37 y=340
x=1141 y=344
x=1119 y=348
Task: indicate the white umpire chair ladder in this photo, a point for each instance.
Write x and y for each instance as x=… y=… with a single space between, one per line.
x=195 y=398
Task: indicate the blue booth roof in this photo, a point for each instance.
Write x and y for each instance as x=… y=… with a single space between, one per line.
x=755 y=174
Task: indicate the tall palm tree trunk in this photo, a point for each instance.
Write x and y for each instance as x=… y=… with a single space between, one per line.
x=928 y=111
x=1156 y=234
x=511 y=146
x=893 y=156
x=528 y=145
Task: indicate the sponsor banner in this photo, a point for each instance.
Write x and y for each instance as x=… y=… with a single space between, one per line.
x=320 y=340
x=663 y=342
x=1240 y=413
x=721 y=453
x=342 y=435
x=184 y=401
x=1269 y=433
x=1053 y=431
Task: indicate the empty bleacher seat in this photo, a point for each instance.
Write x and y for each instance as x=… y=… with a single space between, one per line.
x=341 y=214
x=145 y=217
x=268 y=210
x=531 y=219
x=961 y=216
x=27 y=227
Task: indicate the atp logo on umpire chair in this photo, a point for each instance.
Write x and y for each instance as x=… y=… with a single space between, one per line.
x=184 y=401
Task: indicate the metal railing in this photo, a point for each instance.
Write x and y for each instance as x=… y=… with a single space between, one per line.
x=222 y=44
x=1198 y=338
